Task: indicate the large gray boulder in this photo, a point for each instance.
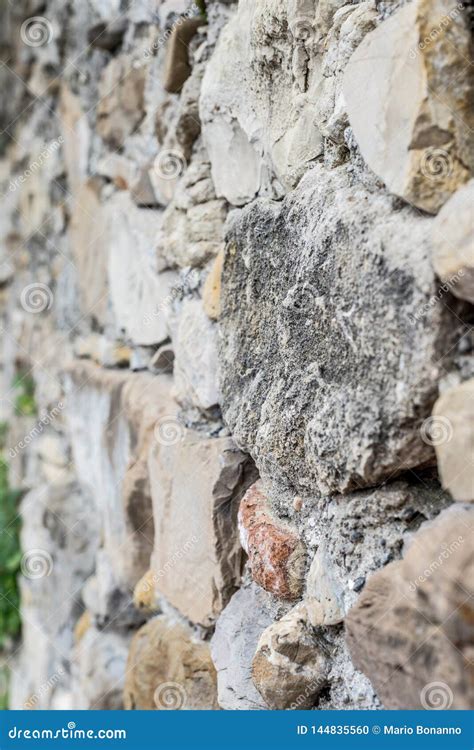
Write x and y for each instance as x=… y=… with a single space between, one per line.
x=332 y=338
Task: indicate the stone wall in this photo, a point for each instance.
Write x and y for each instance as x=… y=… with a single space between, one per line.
x=237 y=267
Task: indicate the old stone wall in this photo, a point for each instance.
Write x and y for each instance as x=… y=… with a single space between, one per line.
x=237 y=366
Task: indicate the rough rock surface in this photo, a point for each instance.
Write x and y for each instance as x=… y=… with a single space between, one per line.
x=276 y=554
x=335 y=332
x=99 y=661
x=196 y=487
x=112 y=418
x=138 y=295
x=411 y=629
x=454 y=440
x=120 y=106
x=195 y=368
x=416 y=137
x=290 y=665
x=229 y=284
x=168 y=670
x=59 y=551
x=87 y=244
x=233 y=646
x=453 y=243
x=272 y=93
x=358 y=534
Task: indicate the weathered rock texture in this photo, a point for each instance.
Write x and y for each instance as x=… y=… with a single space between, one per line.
x=237 y=353
x=290 y=666
x=414 y=122
x=196 y=486
x=334 y=285
x=168 y=670
x=276 y=554
x=414 y=620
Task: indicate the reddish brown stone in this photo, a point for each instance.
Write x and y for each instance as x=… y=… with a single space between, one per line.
x=276 y=554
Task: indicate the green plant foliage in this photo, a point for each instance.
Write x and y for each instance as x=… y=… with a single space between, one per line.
x=25 y=404
x=3 y=434
x=4 y=680
x=201 y=4
x=10 y=558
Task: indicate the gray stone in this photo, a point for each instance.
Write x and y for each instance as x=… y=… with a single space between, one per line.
x=108 y=603
x=139 y=294
x=111 y=418
x=163 y=359
x=233 y=645
x=358 y=534
x=99 y=665
x=121 y=102
x=59 y=540
x=324 y=590
x=324 y=298
x=195 y=364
